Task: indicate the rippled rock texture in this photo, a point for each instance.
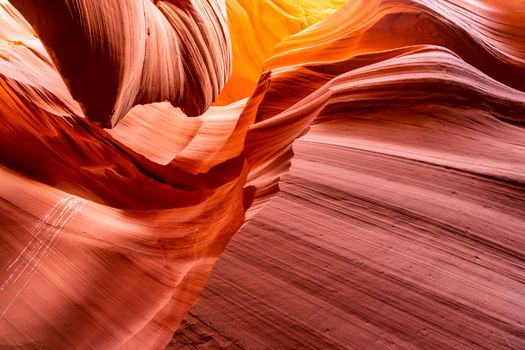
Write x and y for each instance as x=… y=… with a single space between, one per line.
x=138 y=136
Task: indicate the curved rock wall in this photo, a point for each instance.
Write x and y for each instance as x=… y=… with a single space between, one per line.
x=121 y=186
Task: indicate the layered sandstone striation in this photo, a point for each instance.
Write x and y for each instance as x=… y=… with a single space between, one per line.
x=121 y=186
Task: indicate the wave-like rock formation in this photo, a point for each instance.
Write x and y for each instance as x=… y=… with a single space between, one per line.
x=362 y=249
x=121 y=186
x=117 y=54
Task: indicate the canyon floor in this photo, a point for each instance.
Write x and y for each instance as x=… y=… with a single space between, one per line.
x=350 y=255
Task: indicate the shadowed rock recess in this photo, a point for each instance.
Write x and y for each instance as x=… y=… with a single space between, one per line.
x=137 y=137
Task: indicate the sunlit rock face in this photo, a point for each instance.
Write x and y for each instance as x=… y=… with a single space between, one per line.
x=256 y=27
x=121 y=186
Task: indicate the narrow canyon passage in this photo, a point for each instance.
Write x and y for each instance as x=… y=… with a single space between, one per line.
x=138 y=137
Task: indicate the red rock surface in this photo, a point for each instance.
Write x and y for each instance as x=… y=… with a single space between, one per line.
x=367 y=250
x=122 y=183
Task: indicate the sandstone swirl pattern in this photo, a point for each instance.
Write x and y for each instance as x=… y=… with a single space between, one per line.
x=121 y=186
